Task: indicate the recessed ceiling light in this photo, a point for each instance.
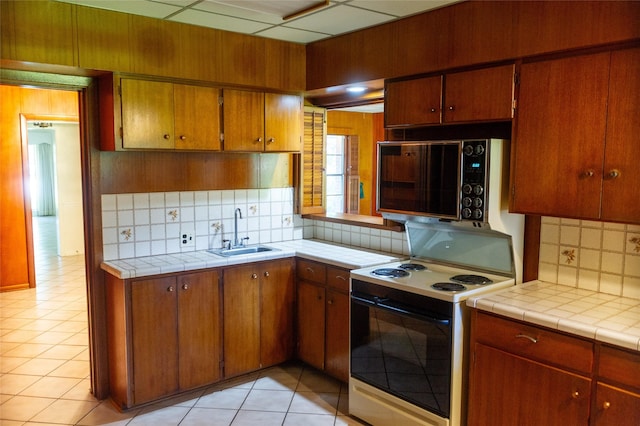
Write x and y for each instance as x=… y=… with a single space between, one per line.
x=356 y=89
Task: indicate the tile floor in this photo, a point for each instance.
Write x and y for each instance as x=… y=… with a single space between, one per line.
x=44 y=367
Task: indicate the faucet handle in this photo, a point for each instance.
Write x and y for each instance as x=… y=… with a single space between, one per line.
x=226 y=244
x=244 y=241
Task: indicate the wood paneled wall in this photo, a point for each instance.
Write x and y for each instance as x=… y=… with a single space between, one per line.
x=365 y=126
x=16 y=245
x=50 y=32
x=469 y=33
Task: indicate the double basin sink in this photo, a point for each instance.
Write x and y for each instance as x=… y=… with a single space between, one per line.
x=237 y=251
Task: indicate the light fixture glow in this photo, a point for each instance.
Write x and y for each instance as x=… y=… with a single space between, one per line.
x=356 y=89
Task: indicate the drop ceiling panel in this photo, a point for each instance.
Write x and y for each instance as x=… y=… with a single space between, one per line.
x=227 y=23
x=338 y=19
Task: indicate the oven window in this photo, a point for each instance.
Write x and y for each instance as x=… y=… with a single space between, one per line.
x=402 y=354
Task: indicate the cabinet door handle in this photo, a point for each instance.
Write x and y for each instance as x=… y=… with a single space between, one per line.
x=606 y=405
x=310 y=270
x=575 y=394
x=524 y=336
x=170 y=289
x=340 y=277
x=185 y=286
x=588 y=173
x=614 y=174
x=259 y=140
x=266 y=273
x=254 y=276
x=452 y=107
x=183 y=137
x=271 y=140
x=433 y=110
x=330 y=301
x=166 y=136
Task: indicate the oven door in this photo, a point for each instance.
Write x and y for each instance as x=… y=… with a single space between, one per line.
x=401 y=344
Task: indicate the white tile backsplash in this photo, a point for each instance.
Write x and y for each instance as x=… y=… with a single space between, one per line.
x=599 y=256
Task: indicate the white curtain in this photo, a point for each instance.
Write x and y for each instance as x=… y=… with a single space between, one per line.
x=43 y=202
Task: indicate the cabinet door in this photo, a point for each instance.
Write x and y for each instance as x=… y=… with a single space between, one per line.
x=559 y=135
x=243 y=118
x=479 y=95
x=509 y=390
x=197 y=117
x=241 y=308
x=621 y=171
x=413 y=102
x=199 y=329
x=155 y=338
x=337 y=338
x=311 y=324
x=283 y=122
x=276 y=312
x=147 y=114
x=616 y=407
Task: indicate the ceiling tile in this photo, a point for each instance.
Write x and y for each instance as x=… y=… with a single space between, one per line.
x=338 y=19
x=135 y=7
x=221 y=22
x=221 y=9
x=292 y=35
x=399 y=8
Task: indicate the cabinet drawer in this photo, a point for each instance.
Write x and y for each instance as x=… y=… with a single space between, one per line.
x=535 y=343
x=338 y=278
x=619 y=366
x=311 y=271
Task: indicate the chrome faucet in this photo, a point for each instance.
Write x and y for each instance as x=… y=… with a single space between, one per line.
x=236 y=241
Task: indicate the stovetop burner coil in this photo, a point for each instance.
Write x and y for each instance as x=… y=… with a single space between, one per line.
x=448 y=286
x=390 y=272
x=412 y=267
x=471 y=279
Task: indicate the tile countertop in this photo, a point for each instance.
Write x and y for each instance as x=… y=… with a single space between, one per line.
x=600 y=316
x=337 y=255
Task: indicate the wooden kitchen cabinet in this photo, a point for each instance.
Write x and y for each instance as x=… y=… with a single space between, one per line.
x=311 y=162
x=525 y=375
x=323 y=317
x=258 y=305
x=164 y=335
x=262 y=122
x=462 y=97
x=575 y=137
x=617 y=399
x=159 y=115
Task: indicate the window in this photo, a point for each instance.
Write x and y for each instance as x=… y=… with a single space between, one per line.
x=343 y=180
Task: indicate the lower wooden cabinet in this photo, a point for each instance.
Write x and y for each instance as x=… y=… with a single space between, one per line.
x=258 y=301
x=164 y=335
x=323 y=317
x=521 y=374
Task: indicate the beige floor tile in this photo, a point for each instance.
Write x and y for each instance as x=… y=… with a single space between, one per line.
x=225 y=399
x=64 y=411
x=65 y=352
x=20 y=336
x=165 y=416
x=7 y=346
x=39 y=366
x=28 y=350
x=268 y=400
x=258 y=418
x=106 y=414
x=296 y=419
x=83 y=356
x=75 y=369
x=79 y=339
x=11 y=423
x=314 y=403
x=81 y=392
x=51 y=337
x=71 y=327
x=9 y=363
x=24 y=407
x=16 y=323
x=13 y=384
x=50 y=387
x=208 y=417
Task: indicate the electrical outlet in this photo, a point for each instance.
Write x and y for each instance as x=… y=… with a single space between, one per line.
x=186 y=239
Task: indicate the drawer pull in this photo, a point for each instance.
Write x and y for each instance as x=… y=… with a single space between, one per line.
x=524 y=336
x=254 y=276
x=185 y=286
x=575 y=394
x=606 y=405
x=340 y=277
x=310 y=270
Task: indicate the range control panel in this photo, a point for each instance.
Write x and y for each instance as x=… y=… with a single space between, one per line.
x=474 y=180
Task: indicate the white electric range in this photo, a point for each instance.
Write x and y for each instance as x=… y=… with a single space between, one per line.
x=409 y=324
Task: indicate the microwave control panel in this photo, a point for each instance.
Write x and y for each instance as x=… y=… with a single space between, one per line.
x=474 y=180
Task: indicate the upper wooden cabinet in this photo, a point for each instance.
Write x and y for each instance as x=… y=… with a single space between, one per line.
x=160 y=115
x=261 y=122
x=469 y=96
x=311 y=173
x=575 y=136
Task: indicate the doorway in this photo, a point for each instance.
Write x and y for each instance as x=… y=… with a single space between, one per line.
x=55 y=178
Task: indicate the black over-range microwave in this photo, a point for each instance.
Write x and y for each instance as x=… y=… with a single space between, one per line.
x=440 y=179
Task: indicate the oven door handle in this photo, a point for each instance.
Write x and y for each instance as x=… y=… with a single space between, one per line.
x=378 y=302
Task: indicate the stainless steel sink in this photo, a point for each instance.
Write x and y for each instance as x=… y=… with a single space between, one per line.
x=236 y=251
